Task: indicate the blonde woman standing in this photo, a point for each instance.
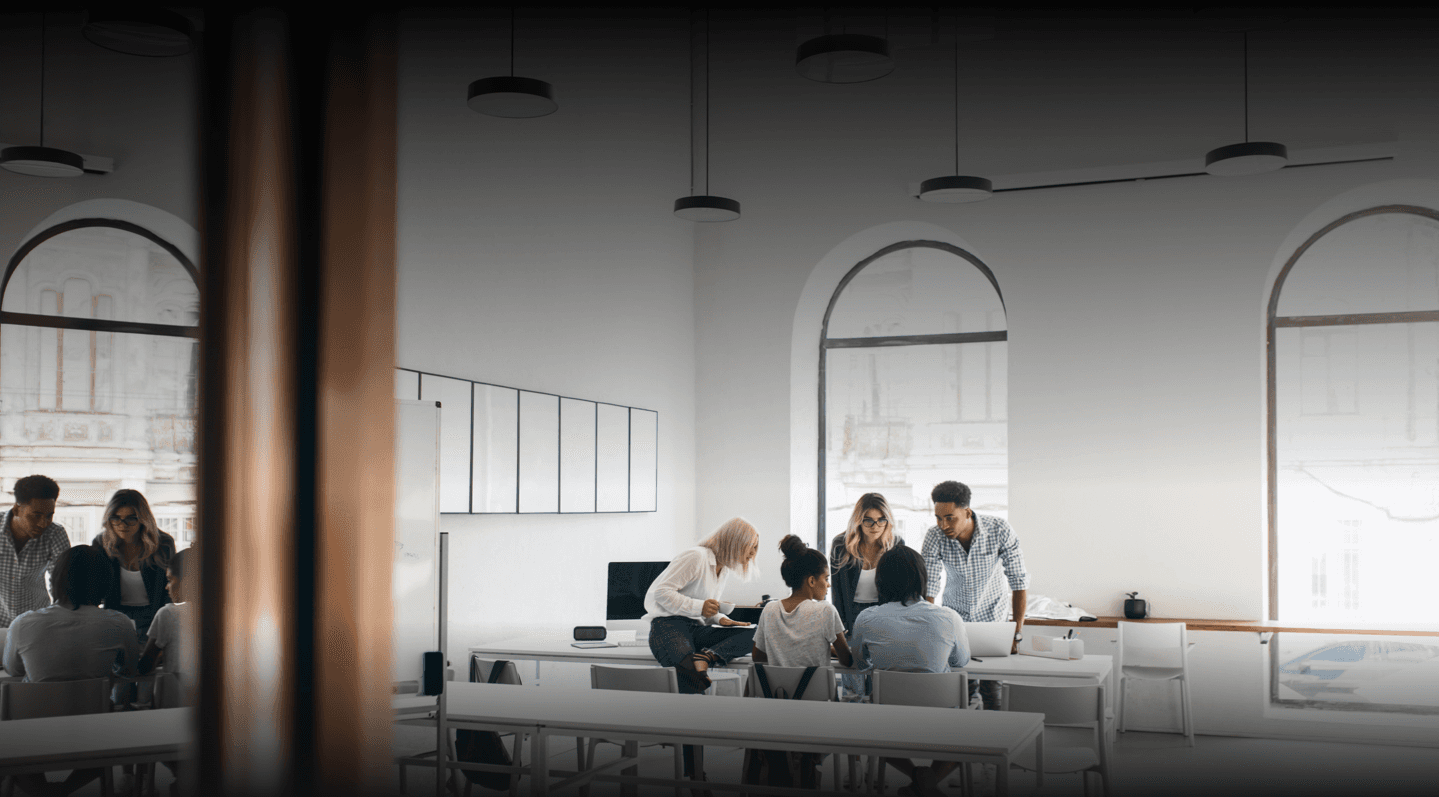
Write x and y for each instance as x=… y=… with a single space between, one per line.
x=139 y=552
x=854 y=554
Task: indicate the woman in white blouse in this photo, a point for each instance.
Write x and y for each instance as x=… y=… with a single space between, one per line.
x=689 y=629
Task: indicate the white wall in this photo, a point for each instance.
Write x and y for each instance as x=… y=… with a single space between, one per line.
x=542 y=254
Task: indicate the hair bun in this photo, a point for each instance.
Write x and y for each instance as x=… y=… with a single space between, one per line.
x=792 y=546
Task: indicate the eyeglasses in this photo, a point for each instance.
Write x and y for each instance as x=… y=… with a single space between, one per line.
x=128 y=521
x=870 y=523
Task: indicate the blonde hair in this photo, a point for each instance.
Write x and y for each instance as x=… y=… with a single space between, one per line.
x=853 y=536
x=149 y=529
x=731 y=544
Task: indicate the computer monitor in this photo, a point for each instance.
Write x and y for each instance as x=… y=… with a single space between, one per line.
x=625 y=596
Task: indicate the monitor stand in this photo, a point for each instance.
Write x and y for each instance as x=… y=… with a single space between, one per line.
x=640 y=627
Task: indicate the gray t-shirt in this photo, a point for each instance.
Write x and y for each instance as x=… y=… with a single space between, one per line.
x=800 y=638
x=59 y=644
x=173 y=632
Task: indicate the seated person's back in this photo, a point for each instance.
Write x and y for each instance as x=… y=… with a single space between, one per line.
x=73 y=639
x=172 y=633
x=906 y=632
x=801 y=630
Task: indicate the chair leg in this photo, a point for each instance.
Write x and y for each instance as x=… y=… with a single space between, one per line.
x=679 y=767
x=1187 y=711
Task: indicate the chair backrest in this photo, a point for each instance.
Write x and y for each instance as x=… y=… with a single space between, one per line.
x=634 y=679
x=480 y=670
x=784 y=682
x=28 y=701
x=1060 y=705
x=1152 y=644
x=935 y=689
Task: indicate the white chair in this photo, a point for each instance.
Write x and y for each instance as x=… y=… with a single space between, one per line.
x=1066 y=705
x=1156 y=652
x=784 y=684
x=24 y=701
x=933 y=689
x=636 y=679
x=480 y=670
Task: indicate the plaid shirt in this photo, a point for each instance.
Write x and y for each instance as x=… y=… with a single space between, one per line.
x=972 y=584
x=22 y=576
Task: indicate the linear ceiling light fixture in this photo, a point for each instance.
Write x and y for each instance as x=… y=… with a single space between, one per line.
x=845 y=57
x=510 y=96
x=957 y=187
x=150 y=32
x=1250 y=157
x=42 y=161
x=703 y=207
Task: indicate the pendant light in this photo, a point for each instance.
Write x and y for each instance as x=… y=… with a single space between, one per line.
x=150 y=32
x=845 y=57
x=703 y=207
x=510 y=96
x=958 y=187
x=42 y=161
x=1250 y=157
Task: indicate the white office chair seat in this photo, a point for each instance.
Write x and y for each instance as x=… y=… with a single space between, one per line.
x=1152 y=673
x=1064 y=760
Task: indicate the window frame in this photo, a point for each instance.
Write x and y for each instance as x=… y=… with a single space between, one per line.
x=826 y=343
x=96 y=324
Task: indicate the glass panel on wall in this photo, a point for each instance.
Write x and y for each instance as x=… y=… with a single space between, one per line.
x=1358 y=471
x=497 y=448
x=577 y=455
x=900 y=420
x=455 y=426
x=101 y=410
x=612 y=459
x=539 y=452
x=1384 y=263
x=644 y=433
x=1356 y=672
x=916 y=291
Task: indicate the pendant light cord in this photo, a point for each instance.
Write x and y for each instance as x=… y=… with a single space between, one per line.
x=512 y=41
x=1246 y=87
x=692 y=103
x=956 y=92
x=707 y=102
x=43 y=19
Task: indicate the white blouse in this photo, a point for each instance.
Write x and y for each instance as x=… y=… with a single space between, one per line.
x=132 y=588
x=685 y=585
x=866 y=591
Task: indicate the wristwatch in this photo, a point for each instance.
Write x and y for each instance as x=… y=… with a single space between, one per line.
x=1018 y=637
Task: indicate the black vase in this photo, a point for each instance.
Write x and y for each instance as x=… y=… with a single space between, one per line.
x=1136 y=608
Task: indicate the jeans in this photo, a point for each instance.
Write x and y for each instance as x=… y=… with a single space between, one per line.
x=673 y=638
x=988 y=692
x=142 y=615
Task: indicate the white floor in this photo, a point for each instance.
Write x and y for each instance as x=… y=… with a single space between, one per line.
x=1144 y=764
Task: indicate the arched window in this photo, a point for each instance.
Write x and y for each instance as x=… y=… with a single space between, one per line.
x=1354 y=421
x=913 y=376
x=98 y=362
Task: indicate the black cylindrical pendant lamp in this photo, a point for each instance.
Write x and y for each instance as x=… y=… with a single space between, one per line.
x=844 y=58
x=955 y=189
x=511 y=96
x=150 y=32
x=1251 y=157
x=42 y=161
x=706 y=208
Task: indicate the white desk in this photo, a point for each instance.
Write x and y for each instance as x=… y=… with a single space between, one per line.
x=808 y=726
x=556 y=648
x=94 y=740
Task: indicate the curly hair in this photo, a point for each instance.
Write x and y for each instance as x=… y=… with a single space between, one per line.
x=81 y=577
x=900 y=576
x=950 y=493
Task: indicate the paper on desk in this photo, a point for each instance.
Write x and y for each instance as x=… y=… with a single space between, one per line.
x=1045 y=608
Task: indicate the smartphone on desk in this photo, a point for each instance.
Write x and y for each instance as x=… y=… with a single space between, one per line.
x=599 y=643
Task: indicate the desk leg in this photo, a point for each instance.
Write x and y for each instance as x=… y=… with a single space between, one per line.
x=1039 y=760
x=539 y=764
x=1001 y=777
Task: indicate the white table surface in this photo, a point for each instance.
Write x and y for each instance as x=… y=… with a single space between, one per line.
x=802 y=725
x=92 y=740
x=557 y=648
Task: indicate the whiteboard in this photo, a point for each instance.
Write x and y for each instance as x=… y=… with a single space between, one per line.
x=415 y=585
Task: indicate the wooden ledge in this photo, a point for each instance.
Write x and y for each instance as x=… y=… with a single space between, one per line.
x=1254 y=626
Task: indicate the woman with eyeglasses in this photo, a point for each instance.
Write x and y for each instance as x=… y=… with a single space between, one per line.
x=852 y=559
x=139 y=552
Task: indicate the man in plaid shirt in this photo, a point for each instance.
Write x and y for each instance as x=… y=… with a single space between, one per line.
x=35 y=540
x=972 y=549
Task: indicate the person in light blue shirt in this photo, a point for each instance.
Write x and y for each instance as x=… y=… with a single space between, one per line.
x=907 y=633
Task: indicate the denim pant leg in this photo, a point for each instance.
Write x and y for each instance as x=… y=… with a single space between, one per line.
x=671 y=639
x=726 y=643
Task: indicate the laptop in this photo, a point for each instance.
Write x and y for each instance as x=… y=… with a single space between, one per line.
x=745 y=614
x=989 y=639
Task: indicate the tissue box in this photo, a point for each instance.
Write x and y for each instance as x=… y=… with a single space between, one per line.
x=1052 y=648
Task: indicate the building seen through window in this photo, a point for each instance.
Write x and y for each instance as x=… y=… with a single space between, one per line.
x=915 y=382
x=98 y=374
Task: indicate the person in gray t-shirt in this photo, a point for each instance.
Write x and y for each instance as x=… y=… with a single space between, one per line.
x=73 y=639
